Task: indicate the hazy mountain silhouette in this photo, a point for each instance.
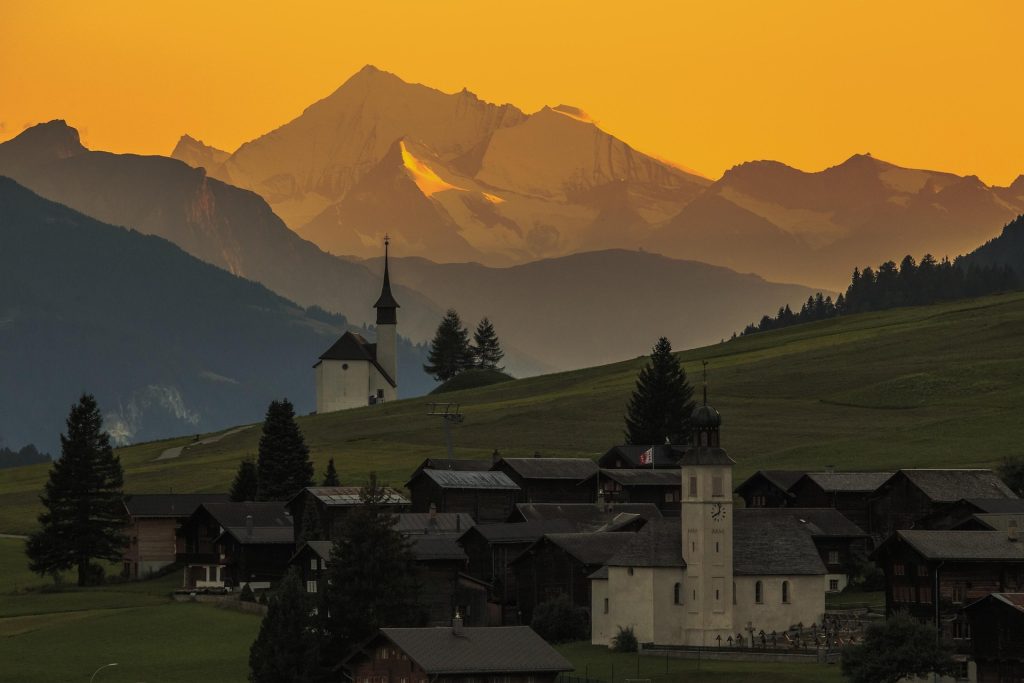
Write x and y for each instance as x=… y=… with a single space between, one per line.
x=1005 y=250
x=169 y=344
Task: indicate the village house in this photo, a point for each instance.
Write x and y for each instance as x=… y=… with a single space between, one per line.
x=561 y=564
x=910 y=495
x=332 y=503
x=229 y=545
x=997 y=637
x=628 y=456
x=413 y=523
x=311 y=560
x=588 y=517
x=551 y=480
x=769 y=488
x=848 y=492
x=488 y=497
x=979 y=514
x=713 y=573
x=660 y=487
x=445 y=586
x=456 y=654
x=455 y=464
x=154 y=526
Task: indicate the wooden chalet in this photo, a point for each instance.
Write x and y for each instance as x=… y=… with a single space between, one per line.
x=660 y=487
x=490 y=547
x=561 y=564
x=154 y=526
x=978 y=514
x=446 y=587
x=413 y=523
x=551 y=480
x=848 y=492
x=456 y=654
x=769 y=488
x=934 y=574
x=229 y=545
x=997 y=637
x=311 y=560
x=454 y=464
x=488 y=497
x=663 y=456
x=333 y=502
x=587 y=517
x=910 y=495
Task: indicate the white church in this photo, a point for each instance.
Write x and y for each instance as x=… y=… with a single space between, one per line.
x=716 y=574
x=353 y=372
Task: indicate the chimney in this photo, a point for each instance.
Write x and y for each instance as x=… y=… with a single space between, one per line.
x=457 y=624
x=458 y=521
x=1011 y=531
x=495 y=457
x=248 y=525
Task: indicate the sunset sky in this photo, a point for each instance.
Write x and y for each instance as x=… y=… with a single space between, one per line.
x=706 y=85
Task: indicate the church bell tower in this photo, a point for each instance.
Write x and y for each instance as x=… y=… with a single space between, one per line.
x=387 y=323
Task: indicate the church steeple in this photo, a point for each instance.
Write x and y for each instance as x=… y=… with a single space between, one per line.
x=387 y=307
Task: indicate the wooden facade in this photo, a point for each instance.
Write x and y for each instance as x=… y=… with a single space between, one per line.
x=848 y=492
x=997 y=637
x=332 y=503
x=768 y=488
x=488 y=497
x=662 y=488
x=154 y=529
x=552 y=480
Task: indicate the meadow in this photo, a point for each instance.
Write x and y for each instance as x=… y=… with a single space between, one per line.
x=930 y=386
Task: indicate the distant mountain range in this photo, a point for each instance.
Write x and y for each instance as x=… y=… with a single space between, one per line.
x=167 y=343
x=453 y=178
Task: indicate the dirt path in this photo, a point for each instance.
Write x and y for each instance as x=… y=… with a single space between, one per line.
x=172 y=453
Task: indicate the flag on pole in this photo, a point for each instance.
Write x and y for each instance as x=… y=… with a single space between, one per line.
x=647 y=457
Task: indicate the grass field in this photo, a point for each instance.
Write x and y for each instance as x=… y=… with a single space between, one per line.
x=927 y=386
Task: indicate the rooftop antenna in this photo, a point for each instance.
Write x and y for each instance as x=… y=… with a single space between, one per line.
x=705 y=363
x=450 y=414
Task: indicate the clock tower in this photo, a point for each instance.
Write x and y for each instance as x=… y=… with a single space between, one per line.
x=707 y=519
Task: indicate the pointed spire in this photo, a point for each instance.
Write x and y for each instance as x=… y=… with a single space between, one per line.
x=386 y=305
x=705 y=381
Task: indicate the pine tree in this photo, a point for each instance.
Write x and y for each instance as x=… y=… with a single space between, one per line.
x=331 y=475
x=246 y=483
x=286 y=647
x=283 y=459
x=486 y=348
x=372 y=578
x=82 y=520
x=662 y=402
x=449 y=352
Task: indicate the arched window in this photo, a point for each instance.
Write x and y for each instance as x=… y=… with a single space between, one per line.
x=785 y=591
x=759 y=592
x=677 y=595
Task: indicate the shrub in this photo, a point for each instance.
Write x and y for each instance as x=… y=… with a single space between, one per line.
x=625 y=640
x=247 y=595
x=560 y=621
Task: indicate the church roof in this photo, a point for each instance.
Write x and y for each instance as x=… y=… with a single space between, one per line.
x=352 y=346
x=769 y=544
x=706 y=455
x=658 y=544
x=386 y=299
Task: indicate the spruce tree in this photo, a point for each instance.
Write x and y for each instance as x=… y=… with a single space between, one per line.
x=486 y=348
x=283 y=459
x=662 y=402
x=246 y=483
x=82 y=500
x=286 y=647
x=449 y=352
x=331 y=475
x=372 y=579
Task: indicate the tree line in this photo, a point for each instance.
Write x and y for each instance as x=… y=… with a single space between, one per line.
x=26 y=455
x=892 y=286
x=451 y=351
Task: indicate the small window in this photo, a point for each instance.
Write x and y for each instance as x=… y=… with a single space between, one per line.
x=833 y=584
x=693 y=487
x=677 y=597
x=899 y=569
x=344 y=366
x=606 y=605
x=833 y=557
x=785 y=592
x=313 y=564
x=759 y=593
x=922 y=570
x=958 y=593
x=629 y=571
x=717 y=487
x=311 y=586
x=757 y=502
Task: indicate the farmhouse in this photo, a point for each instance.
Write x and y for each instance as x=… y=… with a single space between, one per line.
x=332 y=503
x=972 y=513
x=848 y=492
x=657 y=487
x=551 y=480
x=656 y=456
x=769 y=488
x=997 y=637
x=154 y=525
x=311 y=560
x=488 y=497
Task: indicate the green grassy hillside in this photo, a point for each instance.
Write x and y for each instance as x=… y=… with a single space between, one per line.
x=932 y=386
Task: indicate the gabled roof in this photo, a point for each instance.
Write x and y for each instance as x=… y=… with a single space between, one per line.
x=519 y=533
x=1000 y=521
x=706 y=455
x=410 y=523
x=456 y=464
x=658 y=544
x=770 y=544
x=966 y=546
x=579 y=469
x=462 y=479
x=601 y=573
x=997 y=505
x=270 y=522
x=354 y=347
x=426 y=548
x=946 y=486
x=817 y=522
x=1013 y=601
x=169 y=504
x=663 y=477
x=849 y=482
x=664 y=455
x=349 y=495
x=587 y=548
x=321 y=549
x=586 y=516
x=780 y=479
x=472 y=650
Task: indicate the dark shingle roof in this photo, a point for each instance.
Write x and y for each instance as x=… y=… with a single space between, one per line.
x=169 y=504
x=770 y=544
x=520 y=533
x=352 y=346
x=552 y=468
x=664 y=455
x=969 y=546
x=430 y=547
x=706 y=455
x=1011 y=600
x=658 y=544
x=664 y=477
x=321 y=549
x=349 y=495
x=492 y=649
x=455 y=464
x=818 y=522
x=998 y=505
x=271 y=522
x=782 y=479
x=585 y=516
x=588 y=548
x=952 y=485
x=1000 y=521
x=601 y=573
x=438 y=523
x=462 y=479
x=853 y=482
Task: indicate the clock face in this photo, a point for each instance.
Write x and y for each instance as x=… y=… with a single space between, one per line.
x=718 y=512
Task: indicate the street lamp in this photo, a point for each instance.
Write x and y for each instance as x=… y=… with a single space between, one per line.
x=105 y=666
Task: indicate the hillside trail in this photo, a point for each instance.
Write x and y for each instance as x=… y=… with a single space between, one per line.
x=172 y=453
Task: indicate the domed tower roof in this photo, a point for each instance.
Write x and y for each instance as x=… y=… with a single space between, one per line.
x=705 y=417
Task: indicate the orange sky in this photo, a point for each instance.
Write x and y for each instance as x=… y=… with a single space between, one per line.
x=707 y=85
